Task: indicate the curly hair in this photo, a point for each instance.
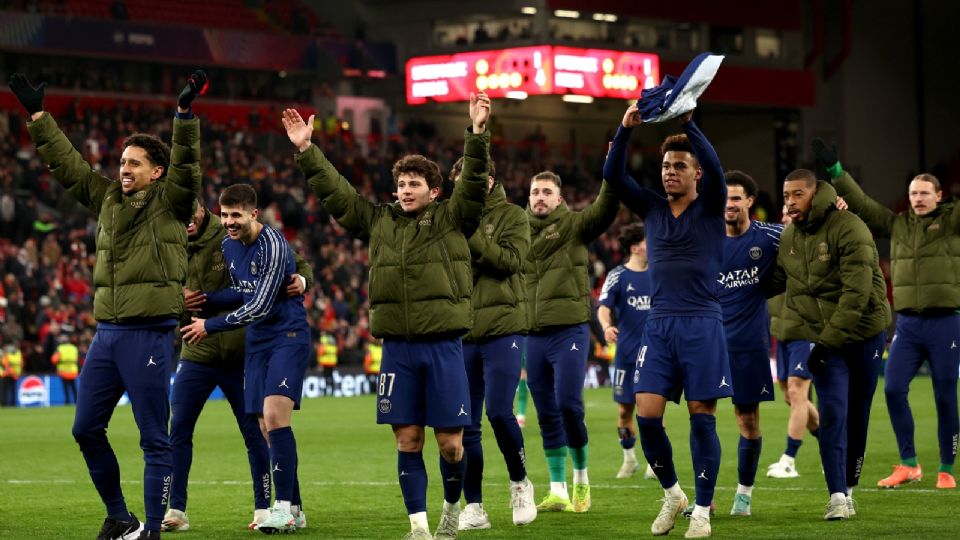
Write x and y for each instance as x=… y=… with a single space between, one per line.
x=417 y=165
x=157 y=150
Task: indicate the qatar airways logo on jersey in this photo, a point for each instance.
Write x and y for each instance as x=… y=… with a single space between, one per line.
x=639 y=303
x=740 y=278
x=246 y=287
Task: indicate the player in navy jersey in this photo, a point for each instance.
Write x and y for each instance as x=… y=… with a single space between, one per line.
x=750 y=252
x=624 y=305
x=259 y=260
x=684 y=347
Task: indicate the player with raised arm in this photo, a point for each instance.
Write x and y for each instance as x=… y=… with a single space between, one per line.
x=139 y=276
x=260 y=262
x=624 y=306
x=493 y=349
x=925 y=269
x=420 y=289
x=684 y=348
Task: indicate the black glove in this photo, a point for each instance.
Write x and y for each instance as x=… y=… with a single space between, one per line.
x=827 y=157
x=31 y=98
x=817 y=361
x=196 y=86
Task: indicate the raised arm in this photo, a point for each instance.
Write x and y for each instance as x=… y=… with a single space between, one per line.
x=351 y=210
x=636 y=198
x=184 y=177
x=466 y=202
x=273 y=276
x=712 y=184
x=505 y=256
x=878 y=217
x=65 y=162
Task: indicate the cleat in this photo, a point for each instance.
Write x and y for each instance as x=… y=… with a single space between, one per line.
x=627 y=470
x=688 y=510
x=522 y=502
x=300 y=520
x=667 y=518
x=259 y=516
x=649 y=474
x=837 y=510
x=851 y=507
x=449 y=521
x=946 y=480
x=279 y=521
x=417 y=534
x=581 y=498
x=521 y=420
x=782 y=469
x=149 y=535
x=113 y=529
x=555 y=503
x=474 y=517
x=902 y=474
x=174 y=521
x=741 y=505
x=699 y=528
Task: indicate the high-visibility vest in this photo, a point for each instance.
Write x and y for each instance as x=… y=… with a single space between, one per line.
x=327 y=351
x=67 y=360
x=13 y=364
x=371 y=363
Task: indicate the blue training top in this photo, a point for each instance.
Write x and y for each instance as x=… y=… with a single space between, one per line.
x=260 y=272
x=627 y=293
x=685 y=251
x=747 y=260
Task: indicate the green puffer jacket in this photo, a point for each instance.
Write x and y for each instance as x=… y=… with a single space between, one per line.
x=206 y=271
x=556 y=273
x=420 y=278
x=924 y=250
x=142 y=238
x=499 y=248
x=785 y=324
x=831 y=271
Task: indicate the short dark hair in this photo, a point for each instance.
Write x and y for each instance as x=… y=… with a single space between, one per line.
x=742 y=179
x=417 y=165
x=157 y=150
x=631 y=234
x=802 y=174
x=677 y=143
x=457 y=168
x=548 y=175
x=242 y=195
x=927 y=177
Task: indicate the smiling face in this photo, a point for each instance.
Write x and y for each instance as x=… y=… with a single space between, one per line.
x=414 y=193
x=798 y=199
x=924 y=196
x=137 y=171
x=737 y=211
x=239 y=222
x=544 y=197
x=679 y=172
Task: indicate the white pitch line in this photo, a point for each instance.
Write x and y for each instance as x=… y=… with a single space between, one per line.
x=770 y=489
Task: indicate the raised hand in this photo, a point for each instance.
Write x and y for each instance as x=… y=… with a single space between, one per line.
x=29 y=96
x=826 y=156
x=197 y=85
x=479 y=111
x=298 y=131
x=632 y=118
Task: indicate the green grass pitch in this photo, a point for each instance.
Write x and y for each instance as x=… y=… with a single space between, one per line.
x=349 y=483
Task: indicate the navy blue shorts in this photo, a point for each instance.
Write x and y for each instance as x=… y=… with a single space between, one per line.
x=623 y=368
x=792 y=359
x=423 y=383
x=752 y=382
x=274 y=372
x=684 y=355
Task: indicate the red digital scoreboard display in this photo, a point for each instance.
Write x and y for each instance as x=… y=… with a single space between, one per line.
x=526 y=71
